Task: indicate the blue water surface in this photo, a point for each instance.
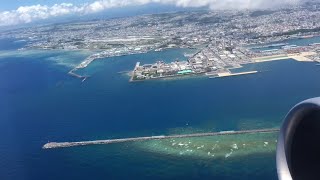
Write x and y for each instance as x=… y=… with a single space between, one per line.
x=39 y=102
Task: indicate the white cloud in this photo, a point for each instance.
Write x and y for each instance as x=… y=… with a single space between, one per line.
x=27 y=14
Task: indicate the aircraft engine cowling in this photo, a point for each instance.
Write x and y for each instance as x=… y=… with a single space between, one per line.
x=298 y=148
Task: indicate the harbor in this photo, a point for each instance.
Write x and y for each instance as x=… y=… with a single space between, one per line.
x=52 y=145
x=220 y=56
x=215 y=58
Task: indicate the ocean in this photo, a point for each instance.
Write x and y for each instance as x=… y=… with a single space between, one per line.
x=39 y=102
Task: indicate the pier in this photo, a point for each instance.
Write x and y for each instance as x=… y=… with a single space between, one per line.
x=52 y=145
x=77 y=75
x=227 y=74
x=137 y=65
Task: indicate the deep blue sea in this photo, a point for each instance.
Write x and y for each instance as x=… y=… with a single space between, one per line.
x=39 y=102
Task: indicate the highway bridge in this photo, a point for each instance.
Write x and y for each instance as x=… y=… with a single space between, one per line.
x=52 y=145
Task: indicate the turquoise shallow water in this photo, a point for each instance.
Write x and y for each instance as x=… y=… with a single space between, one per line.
x=40 y=103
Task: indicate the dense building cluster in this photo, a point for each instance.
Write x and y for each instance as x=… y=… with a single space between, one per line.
x=180 y=29
x=225 y=36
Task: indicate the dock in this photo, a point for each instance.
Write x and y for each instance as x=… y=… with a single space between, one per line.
x=227 y=74
x=52 y=145
x=135 y=67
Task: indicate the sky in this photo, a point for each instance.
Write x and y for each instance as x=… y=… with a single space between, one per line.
x=16 y=12
x=15 y=4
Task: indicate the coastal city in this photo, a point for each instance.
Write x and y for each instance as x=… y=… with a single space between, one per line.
x=225 y=40
x=218 y=59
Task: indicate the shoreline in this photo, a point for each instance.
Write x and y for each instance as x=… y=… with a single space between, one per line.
x=300 y=57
